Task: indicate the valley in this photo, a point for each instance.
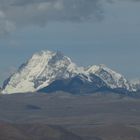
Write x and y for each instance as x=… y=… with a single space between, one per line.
x=91 y=117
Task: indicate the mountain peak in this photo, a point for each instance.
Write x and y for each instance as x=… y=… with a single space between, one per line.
x=39 y=71
x=102 y=67
x=110 y=77
x=46 y=67
x=43 y=53
x=93 y=69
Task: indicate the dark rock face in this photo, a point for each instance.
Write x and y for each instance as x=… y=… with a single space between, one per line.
x=75 y=85
x=5 y=83
x=80 y=85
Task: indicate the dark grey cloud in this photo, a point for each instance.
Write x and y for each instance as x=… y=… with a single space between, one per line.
x=18 y=13
x=21 y=13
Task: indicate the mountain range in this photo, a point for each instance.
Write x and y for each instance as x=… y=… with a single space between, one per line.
x=48 y=72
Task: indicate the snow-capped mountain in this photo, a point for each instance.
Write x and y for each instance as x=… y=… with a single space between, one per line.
x=135 y=84
x=113 y=79
x=79 y=84
x=94 y=79
x=40 y=71
x=45 y=68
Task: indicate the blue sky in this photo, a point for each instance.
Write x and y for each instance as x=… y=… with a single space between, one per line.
x=110 y=36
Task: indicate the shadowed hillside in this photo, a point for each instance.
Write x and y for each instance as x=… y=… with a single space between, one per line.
x=34 y=132
x=109 y=132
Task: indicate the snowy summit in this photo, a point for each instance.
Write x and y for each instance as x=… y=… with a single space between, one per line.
x=45 y=67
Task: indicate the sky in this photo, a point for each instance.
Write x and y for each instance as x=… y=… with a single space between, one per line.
x=88 y=31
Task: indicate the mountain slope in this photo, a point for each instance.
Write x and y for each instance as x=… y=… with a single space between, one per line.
x=76 y=85
x=53 y=69
x=113 y=79
x=40 y=71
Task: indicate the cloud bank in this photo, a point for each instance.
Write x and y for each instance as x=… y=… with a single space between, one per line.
x=22 y=13
x=18 y=13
